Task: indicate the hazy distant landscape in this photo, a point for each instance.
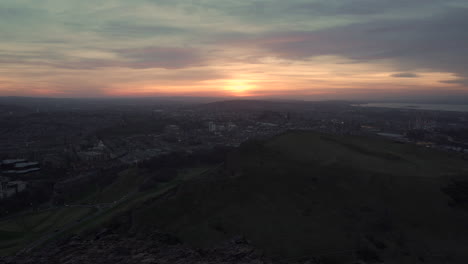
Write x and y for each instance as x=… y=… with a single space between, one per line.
x=233 y=132
x=327 y=180
x=439 y=107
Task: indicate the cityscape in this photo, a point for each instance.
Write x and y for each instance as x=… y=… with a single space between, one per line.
x=71 y=142
x=234 y=132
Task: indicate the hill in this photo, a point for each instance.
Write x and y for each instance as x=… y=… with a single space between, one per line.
x=298 y=196
x=266 y=105
x=307 y=194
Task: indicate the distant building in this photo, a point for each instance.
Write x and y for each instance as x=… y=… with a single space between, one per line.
x=3 y=183
x=231 y=126
x=393 y=136
x=92 y=155
x=100 y=146
x=10 y=188
x=211 y=127
x=18 y=166
x=172 y=129
x=98 y=152
x=11 y=161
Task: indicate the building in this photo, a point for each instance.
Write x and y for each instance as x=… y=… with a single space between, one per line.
x=18 y=166
x=172 y=130
x=211 y=127
x=11 y=188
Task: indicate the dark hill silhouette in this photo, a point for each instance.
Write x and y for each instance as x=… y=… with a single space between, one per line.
x=265 y=105
x=299 y=196
x=309 y=194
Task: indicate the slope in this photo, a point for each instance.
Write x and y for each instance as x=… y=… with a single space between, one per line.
x=307 y=194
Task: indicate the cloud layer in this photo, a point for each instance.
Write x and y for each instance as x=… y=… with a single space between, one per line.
x=294 y=49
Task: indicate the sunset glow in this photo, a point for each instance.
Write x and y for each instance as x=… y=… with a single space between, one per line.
x=294 y=49
x=239 y=87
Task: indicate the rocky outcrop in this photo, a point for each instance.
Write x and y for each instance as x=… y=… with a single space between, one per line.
x=156 y=247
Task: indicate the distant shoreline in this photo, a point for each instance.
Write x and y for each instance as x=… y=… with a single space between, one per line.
x=412 y=106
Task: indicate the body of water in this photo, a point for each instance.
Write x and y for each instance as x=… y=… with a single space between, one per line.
x=437 y=107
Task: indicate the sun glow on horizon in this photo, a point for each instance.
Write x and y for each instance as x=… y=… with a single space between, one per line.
x=239 y=87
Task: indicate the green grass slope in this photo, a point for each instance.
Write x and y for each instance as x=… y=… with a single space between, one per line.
x=120 y=196
x=308 y=194
x=17 y=232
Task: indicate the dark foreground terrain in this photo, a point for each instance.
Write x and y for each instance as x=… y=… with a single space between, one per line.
x=153 y=247
x=298 y=197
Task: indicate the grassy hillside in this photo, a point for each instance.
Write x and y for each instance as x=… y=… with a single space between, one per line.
x=126 y=182
x=120 y=196
x=307 y=194
x=299 y=194
x=17 y=232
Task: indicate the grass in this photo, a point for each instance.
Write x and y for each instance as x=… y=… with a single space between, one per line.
x=375 y=154
x=306 y=193
x=85 y=195
x=298 y=194
x=127 y=181
x=137 y=199
x=22 y=230
x=17 y=232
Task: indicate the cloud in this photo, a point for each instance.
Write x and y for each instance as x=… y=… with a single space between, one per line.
x=125 y=29
x=191 y=75
x=363 y=7
x=161 y=57
x=405 y=75
x=436 y=43
x=136 y=58
x=179 y=42
x=463 y=82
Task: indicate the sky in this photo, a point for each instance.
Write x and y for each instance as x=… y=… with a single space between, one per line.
x=295 y=49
